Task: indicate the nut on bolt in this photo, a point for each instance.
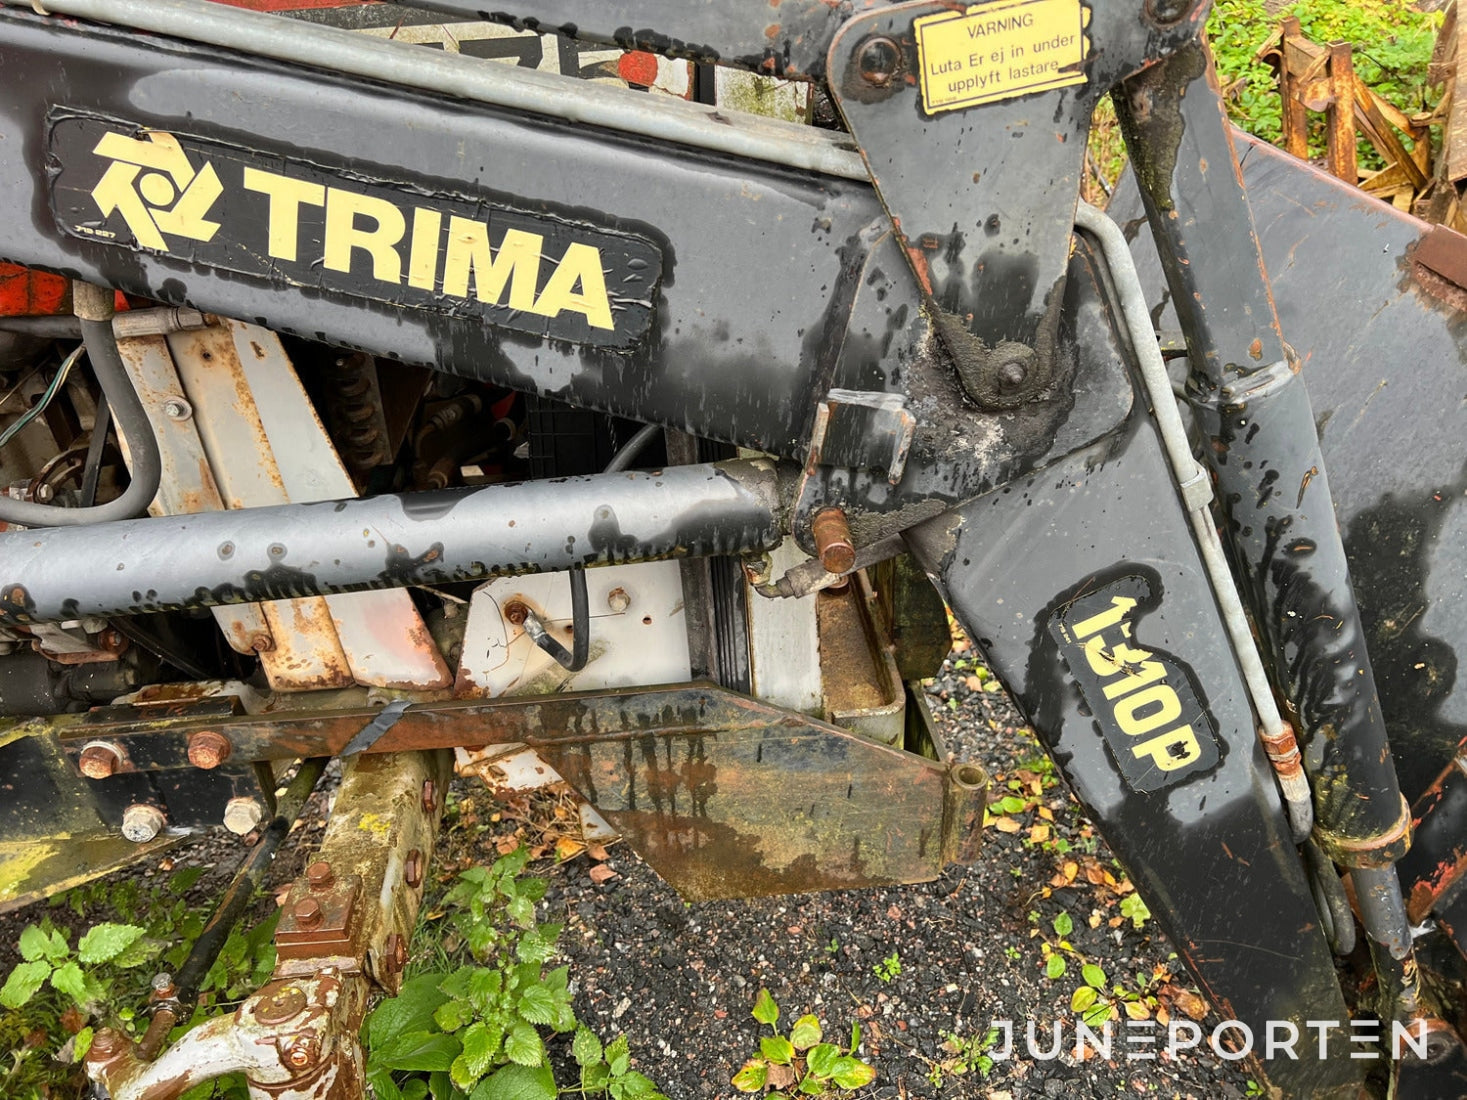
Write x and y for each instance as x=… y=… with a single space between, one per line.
x=303 y=1052
x=307 y=912
x=320 y=875
x=243 y=815
x=100 y=760
x=516 y=613
x=394 y=953
x=141 y=822
x=106 y=1045
x=412 y=869
x=618 y=600
x=208 y=749
x=833 y=540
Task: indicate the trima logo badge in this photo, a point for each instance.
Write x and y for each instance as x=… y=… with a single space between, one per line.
x=155 y=189
x=290 y=222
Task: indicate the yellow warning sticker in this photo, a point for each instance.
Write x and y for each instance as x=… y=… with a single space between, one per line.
x=1000 y=50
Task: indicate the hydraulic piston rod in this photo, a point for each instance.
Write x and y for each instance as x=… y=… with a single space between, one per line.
x=295 y=550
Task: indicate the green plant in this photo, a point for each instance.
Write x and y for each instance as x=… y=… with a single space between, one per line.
x=1013 y=953
x=889 y=967
x=475 y=1031
x=966 y=1055
x=802 y=1061
x=1133 y=907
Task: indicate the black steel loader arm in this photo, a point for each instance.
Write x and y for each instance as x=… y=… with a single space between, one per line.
x=901 y=313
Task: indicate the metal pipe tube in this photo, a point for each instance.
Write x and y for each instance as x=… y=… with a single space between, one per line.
x=294 y=550
x=692 y=124
x=1191 y=478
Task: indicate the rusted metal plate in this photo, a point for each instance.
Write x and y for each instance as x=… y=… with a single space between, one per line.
x=38 y=867
x=725 y=795
x=302 y=651
x=639 y=634
x=381 y=633
x=188 y=483
x=863 y=690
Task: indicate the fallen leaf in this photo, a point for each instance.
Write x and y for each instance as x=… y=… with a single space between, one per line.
x=566 y=848
x=1189 y=1002
x=1163 y=1017
x=1039 y=833
x=1007 y=825
x=1070 y=870
x=596 y=852
x=1046 y=813
x=602 y=873
x=780 y=1077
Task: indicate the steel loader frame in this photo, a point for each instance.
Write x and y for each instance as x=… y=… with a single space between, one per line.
x=938 y=350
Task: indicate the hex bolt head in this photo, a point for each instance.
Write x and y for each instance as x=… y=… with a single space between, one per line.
x=412 y=870
x=430 y=796
x=99 y=760
x=307 y=912
x=833 y=541
x=303 y=1052
x=618 y=600
x=394 y=953
x=142 y=822
x=320 y=875
x=176 y=408
x=106 y=1044
x=163 y=987
x=208 y=749
x=516 y=613
x=879 y=60
x=243 y=815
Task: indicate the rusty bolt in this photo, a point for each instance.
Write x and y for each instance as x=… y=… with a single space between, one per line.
x=285 y=1002
x=208 y=749
x=307 y=912
x=879 y=60
x=1011 y=375
x=303 y=1052
x=516 y=612
x=112 y=641
x=430 y=796
x=99 y=760
x=833 y=541
x=618 y=600
x=395 y=954
x=142 y=822
x=243 y=815
x=176 y=408
x=262 y=643
x=319 y=875
x=412 y=871
x=106 y=1044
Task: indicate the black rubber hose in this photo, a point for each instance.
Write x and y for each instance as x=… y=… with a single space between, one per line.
x=60 y=327
x=634 y=446
x=132 y=423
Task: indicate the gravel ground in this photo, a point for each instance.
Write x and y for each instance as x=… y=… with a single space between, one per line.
x=680 y=980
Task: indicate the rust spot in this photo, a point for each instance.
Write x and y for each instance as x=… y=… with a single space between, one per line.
x=1255 y=349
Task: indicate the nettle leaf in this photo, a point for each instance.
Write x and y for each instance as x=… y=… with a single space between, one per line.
x=619 y=1056
x=765 y=1010
x=777 y=1049
x=141 y=952
x=457 y=983
x=533 y=888
x=595 y=1076
x=105 y=942
x=536 y=946
x=56 y=948
x=821 y=1059
x=537 y=1005
x=69 y=979
x=1056 y=966
x=752 y=1077
x=481 y=1042
x=1093 y=975
x=585 y=1047
x=452 y=1015
x=33 y=944
x=521 y=910
x=484 y=987
x=634 y=1085
x=518 y=1083
x=806 y=1033
x=23 y=982
x=523 y=1046
x=852 y=1073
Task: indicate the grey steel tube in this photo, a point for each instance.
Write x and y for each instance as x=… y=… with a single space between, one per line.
x=293 y=550
x=691 y=124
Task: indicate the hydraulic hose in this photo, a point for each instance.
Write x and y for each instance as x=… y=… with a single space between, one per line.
x=94 y=309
